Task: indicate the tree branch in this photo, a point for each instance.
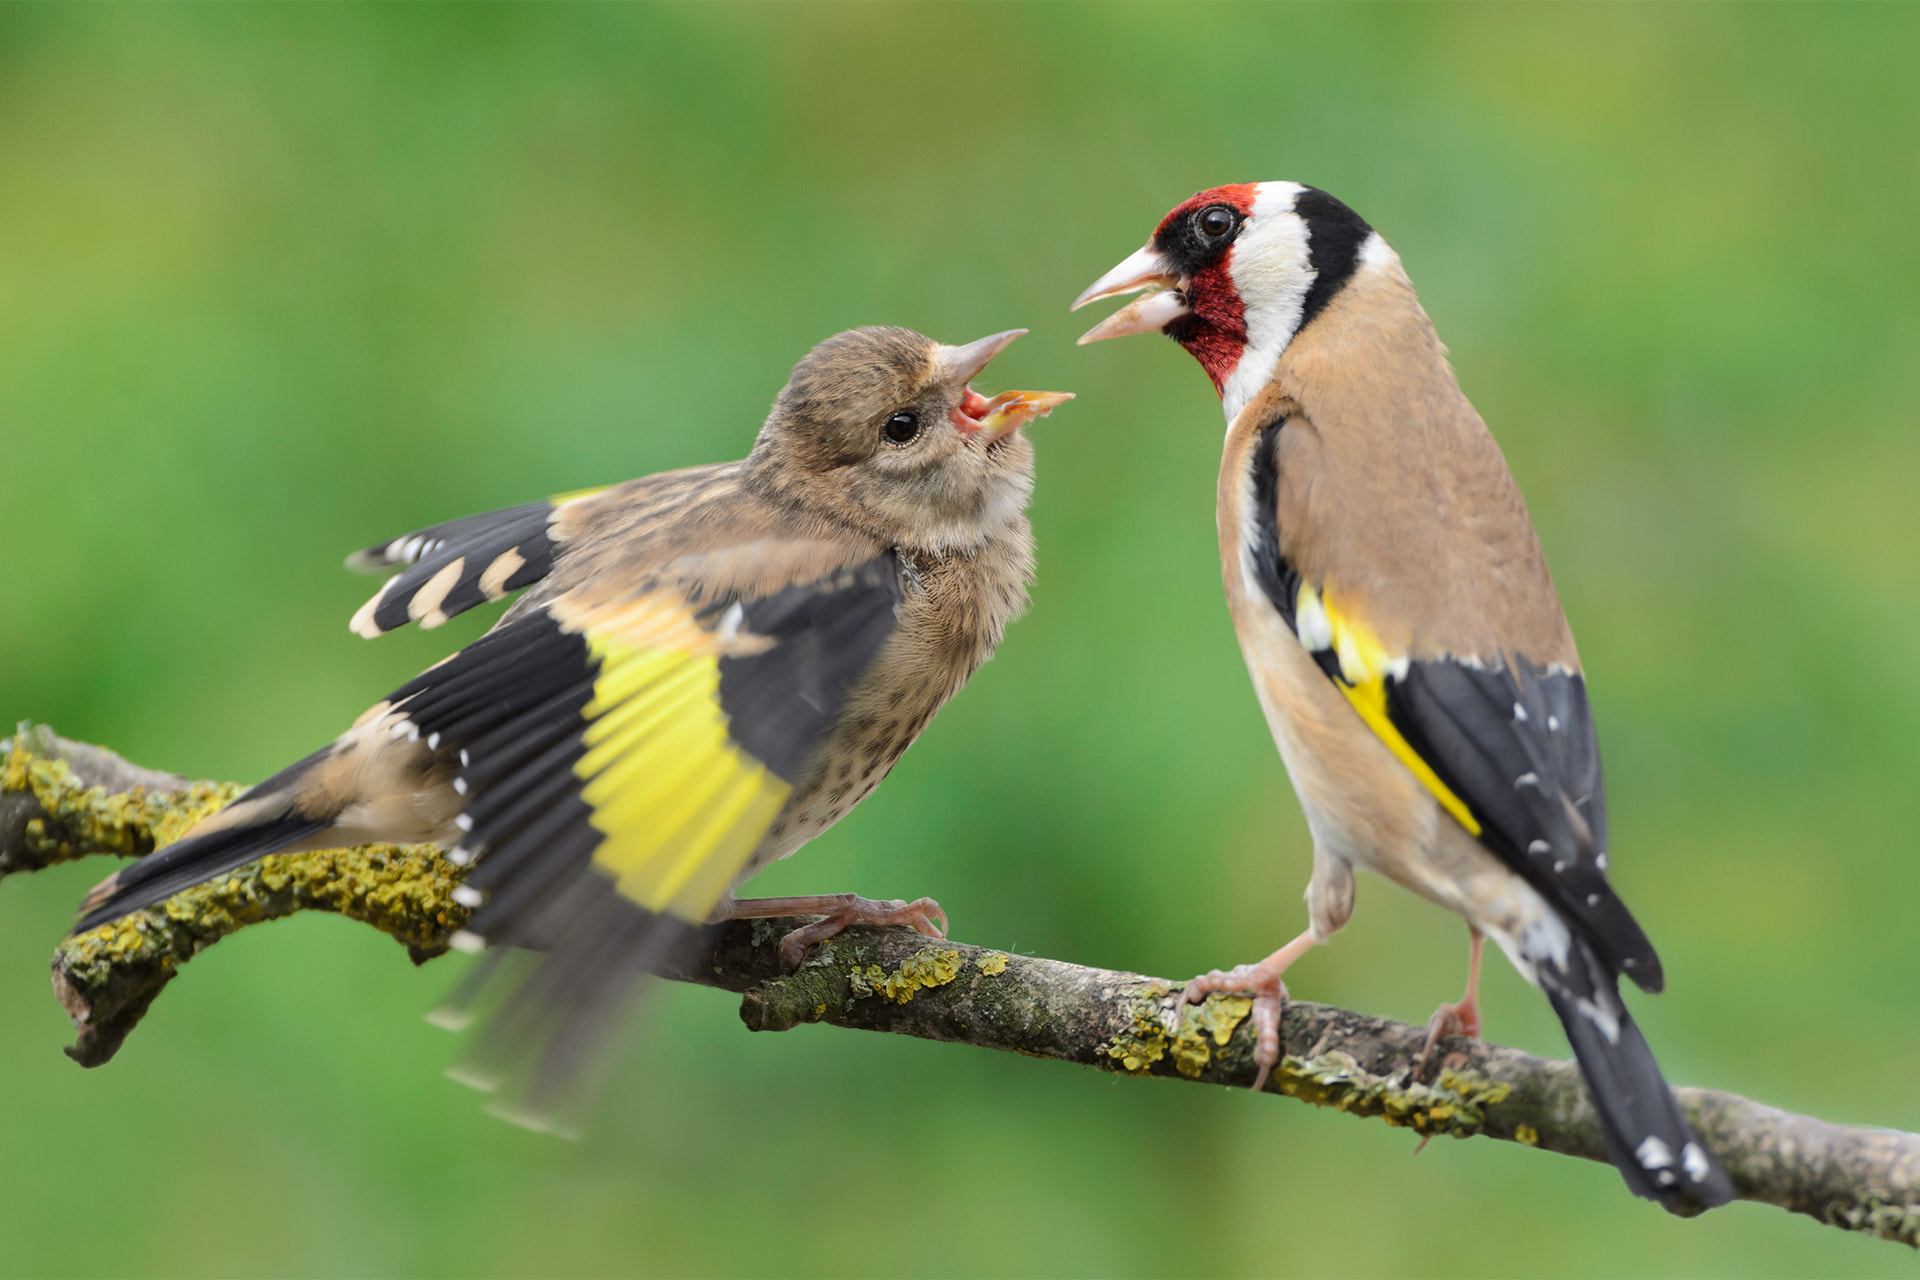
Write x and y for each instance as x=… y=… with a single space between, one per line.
x=61 y=800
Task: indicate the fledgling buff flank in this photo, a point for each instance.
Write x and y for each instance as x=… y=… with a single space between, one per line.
x=709 y=668
x=1403 y=634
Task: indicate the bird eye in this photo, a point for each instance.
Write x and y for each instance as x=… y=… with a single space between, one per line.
x=1215 y=221
x=902 y=426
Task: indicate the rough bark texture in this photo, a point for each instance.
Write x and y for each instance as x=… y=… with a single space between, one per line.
x=61 y=800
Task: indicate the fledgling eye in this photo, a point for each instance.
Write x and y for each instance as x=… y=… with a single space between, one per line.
x=1215 y=221
x=902 y=426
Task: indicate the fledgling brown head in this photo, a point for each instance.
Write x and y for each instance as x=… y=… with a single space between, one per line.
x=879 y=429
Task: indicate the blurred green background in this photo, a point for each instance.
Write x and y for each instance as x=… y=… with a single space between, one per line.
x=276 y=282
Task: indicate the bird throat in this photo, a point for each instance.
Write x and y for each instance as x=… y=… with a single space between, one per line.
x=1215 y=331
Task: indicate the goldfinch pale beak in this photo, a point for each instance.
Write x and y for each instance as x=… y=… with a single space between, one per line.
x=1144 y=269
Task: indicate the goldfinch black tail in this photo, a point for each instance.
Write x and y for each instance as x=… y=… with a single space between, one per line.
x=266 y=819
x=1647 y=1137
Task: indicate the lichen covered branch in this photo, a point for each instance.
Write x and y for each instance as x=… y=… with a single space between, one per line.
x=62 y=800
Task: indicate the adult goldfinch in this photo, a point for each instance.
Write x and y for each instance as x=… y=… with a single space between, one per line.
x=709 y=668
x=1403 y=634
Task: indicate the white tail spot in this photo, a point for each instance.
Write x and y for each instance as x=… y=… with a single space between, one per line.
x=1695 y=1162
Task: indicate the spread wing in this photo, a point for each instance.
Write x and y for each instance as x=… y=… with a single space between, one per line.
x=1507 y=746
x=446 y=569
x=622 y=752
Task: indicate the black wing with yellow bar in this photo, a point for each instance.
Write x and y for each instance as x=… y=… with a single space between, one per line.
x=621 y=759
x=1507 y=747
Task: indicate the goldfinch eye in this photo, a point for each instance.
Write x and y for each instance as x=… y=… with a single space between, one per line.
x=1215 y=221
x=902 y=426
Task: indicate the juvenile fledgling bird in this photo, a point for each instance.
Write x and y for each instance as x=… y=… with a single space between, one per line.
x=1403 y=634
x=709 y=668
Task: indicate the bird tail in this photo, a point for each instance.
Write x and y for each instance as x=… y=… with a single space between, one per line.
x=264 y=820
x=1648 y=1139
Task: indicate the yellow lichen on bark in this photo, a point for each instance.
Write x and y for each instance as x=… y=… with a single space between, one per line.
x=916 y=973
x=82 y=820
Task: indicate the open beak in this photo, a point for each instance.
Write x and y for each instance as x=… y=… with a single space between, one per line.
x=978 y=418
x=1149 y=313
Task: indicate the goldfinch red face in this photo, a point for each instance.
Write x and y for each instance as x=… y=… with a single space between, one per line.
x=884 y=425
x=1236 y=272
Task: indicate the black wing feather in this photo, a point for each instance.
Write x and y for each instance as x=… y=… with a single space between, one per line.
x=477 y=543
x=1516 y=743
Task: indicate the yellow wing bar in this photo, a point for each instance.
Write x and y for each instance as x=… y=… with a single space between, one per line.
x=1364 y=668
x=681 y=805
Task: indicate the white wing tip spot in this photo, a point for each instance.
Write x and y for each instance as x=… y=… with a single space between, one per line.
x=460 y=855
x=460 y=786
x=463 y=821
x=1553 y=724
x=467 y=896
x=450 y=1019
x=1539 y=846
x=1654 y=1154
x=1520 y=713
x=1528 y=779
x=1695 y=1162
x=467 y=942
x=460 y=1073
x=362 y=623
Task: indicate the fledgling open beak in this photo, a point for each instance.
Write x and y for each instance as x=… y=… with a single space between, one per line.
x=1147 y=314
x=989 y=421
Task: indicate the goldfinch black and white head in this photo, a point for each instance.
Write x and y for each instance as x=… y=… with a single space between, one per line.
x=1237 y=272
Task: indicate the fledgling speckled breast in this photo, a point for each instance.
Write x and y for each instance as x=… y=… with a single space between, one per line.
x=954 y=611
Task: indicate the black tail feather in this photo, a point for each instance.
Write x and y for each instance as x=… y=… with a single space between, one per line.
x=1648 y=1139
x=190 y=862
x=201 y=857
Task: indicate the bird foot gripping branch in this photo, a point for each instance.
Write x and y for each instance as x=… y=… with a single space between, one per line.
x=837 y=911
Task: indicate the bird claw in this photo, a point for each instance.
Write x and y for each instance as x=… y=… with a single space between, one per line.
x=1461 y=1019
x=836 y=911
x=1269 y=1002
